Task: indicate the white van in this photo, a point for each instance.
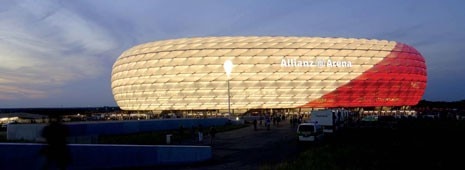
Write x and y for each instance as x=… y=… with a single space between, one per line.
x=310 y=132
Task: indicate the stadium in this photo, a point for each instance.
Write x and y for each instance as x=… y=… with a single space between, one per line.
x=268 y=73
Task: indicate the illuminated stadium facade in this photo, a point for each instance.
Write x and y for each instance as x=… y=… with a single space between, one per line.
x=268 y=72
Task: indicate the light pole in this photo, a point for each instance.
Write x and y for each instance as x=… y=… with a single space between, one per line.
x=228 y=69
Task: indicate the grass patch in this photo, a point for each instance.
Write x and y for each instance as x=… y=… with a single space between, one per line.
x=414 y=144
x=159 y=137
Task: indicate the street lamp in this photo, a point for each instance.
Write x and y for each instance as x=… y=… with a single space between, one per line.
x=228 y=65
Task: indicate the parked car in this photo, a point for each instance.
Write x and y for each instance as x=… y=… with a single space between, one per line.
x=370 y=118
x=310 y=132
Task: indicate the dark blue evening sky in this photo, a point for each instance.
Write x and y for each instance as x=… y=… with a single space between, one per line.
x=57 y=53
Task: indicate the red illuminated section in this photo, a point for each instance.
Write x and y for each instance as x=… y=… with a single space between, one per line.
x=398 y=80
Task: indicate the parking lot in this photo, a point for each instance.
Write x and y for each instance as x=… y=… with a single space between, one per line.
x=384 y=144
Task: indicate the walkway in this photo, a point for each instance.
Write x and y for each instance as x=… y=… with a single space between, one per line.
x=248 y=149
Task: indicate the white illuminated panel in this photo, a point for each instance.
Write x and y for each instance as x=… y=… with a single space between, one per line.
x=188 y=73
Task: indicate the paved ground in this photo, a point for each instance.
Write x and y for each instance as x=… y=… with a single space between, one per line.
x=246 y=148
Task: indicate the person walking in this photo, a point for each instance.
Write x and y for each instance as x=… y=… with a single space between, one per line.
x=278 y=119
x=200 y=133
x=255 y=124
x=193 y=134
x=56 y=151
x=212 y=134
x=268 y=123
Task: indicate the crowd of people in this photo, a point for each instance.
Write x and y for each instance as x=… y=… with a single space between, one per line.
x=274 y=120
x=199 y=133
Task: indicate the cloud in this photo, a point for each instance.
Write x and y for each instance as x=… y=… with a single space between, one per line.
x=13 y=92
x=55 y=48
x=44 y=45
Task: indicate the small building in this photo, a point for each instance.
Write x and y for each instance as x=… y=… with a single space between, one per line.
x=22 y=117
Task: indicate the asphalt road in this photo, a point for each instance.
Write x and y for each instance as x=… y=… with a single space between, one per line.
x=397 y=144
x=246 y=148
